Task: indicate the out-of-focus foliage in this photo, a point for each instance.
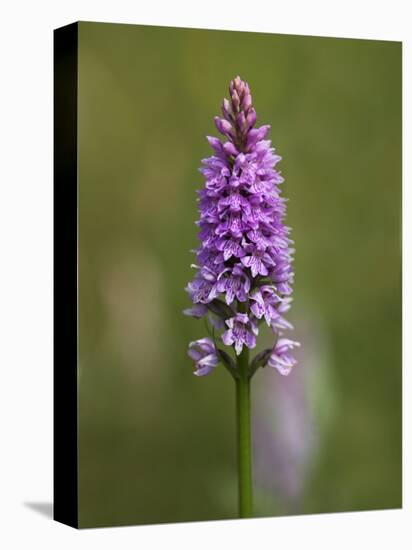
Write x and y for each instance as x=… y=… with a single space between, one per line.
x=157 y=444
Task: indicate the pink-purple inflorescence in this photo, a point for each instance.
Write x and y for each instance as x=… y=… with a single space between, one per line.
x=244 y=263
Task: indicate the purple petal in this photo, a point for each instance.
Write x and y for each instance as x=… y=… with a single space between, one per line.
x=227 y=337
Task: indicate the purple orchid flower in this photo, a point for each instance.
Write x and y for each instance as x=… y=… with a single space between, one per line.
x=266 y=303
x=281 y=359
x=242 y=331
x=203 y=353
x=244 y=261
x=234 y=283
x=259 y=260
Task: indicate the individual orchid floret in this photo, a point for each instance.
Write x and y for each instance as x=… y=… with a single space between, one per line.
x=203 y=352
x=281 y=358
x=201 y=290
x=266 y=303
x=242 y=331
x=258 y=260
x=234 y=283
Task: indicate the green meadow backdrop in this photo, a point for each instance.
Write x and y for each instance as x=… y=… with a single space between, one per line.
x=157 y=444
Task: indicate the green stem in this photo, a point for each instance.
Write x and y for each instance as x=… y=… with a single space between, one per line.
x=244 y=451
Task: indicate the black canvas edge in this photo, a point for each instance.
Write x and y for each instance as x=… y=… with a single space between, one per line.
x=65 y=456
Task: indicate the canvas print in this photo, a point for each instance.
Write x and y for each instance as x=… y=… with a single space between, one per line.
x=237 y=251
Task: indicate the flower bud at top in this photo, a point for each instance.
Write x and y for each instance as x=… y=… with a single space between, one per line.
x=223 y=126
x=247 y=102
x=227 y=110
x=241 y=122
x=251 y=118
x=235 y=101
x=239 y=86
x=230 y=149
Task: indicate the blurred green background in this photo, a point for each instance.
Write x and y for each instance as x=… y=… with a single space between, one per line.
x=157 y=444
